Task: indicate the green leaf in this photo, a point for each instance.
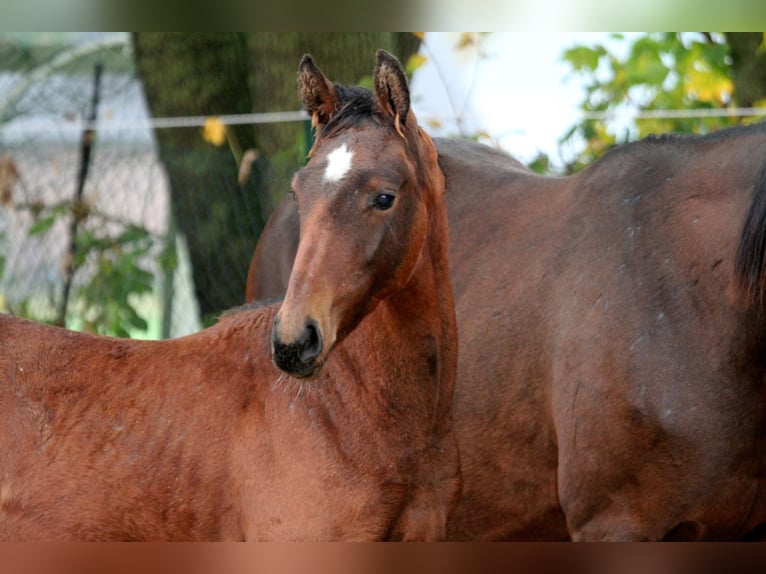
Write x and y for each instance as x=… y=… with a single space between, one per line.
x=86 y=241
x=168 y=258
x=583 y=58
x=644 y=65
x=134 y=319
x=569 y=133
x=42 y=225
x=665 y=70
x=414 y=62
x=133 y=234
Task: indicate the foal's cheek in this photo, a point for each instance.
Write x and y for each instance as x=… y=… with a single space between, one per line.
x=380 y=245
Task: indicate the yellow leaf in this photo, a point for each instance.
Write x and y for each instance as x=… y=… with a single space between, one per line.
x=414 y=62
x=466 y=39
x=419 y=35
x=433 y=123
x=707 y=86
x=214 y=131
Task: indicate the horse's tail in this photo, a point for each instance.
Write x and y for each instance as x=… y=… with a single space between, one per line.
x=750 y=265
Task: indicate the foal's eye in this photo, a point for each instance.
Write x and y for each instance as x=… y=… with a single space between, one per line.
x=383 y=201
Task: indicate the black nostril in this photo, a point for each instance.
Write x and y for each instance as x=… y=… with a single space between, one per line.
x=310 y=343
x=299 y=357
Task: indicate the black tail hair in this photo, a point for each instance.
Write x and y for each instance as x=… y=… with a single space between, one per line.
x=750 y=265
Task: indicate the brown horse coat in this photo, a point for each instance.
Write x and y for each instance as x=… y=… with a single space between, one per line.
x=610 y=373
x=203 y=438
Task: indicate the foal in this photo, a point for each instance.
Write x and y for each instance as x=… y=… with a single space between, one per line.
x=201 y=438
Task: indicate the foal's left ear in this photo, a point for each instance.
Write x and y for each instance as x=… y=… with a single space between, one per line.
x=391 y=88
x=318 y=93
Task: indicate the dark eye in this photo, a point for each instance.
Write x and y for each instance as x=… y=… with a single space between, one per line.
x=383 y=201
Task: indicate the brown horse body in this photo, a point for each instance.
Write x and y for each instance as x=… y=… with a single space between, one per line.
x=610 y=373
x=202 y=438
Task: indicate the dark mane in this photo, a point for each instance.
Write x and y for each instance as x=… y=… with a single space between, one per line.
x=717 y=135
x=750 y=265
x=251 y=306
x=356 y=104
x=673 y=138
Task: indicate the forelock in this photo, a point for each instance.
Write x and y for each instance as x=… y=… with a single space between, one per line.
x=355 y=105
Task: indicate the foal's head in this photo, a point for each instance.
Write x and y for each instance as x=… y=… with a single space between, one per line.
x=364 y=200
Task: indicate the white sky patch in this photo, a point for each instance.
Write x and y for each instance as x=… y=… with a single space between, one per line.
x=338 y=163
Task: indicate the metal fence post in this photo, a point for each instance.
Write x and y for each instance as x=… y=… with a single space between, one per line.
x=167 y=275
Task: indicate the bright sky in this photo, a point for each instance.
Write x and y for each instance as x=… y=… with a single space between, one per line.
x=518 y=89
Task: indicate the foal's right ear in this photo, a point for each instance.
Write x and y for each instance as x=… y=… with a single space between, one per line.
x=318 y=93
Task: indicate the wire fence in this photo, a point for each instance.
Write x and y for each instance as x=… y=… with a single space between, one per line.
x=126 y=186
x=124 y=212
x=126 y=189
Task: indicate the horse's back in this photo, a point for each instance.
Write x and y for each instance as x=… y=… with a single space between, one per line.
x=113 y=439
x=654 y=349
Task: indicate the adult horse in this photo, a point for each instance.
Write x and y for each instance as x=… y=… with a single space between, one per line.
x=202 y=437
x=612 y=354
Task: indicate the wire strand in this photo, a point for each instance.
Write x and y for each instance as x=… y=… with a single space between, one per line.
x=296 y=116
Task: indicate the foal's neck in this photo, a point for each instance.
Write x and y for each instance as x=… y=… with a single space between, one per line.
x=427 y=296
x=424 y=315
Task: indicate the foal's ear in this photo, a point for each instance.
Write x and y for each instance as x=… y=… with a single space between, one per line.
x=391 y=88
x=317 y=92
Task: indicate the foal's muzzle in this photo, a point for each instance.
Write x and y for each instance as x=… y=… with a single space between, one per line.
x=298 y=357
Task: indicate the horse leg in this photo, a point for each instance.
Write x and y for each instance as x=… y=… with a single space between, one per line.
x=425 y=515
x=629 y=527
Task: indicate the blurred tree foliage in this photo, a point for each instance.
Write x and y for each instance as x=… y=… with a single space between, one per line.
x=665 y=71
x=748 y=66
x=193 y=74
x=220 y=211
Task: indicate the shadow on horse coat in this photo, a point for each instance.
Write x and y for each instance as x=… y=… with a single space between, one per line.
x=202 y=438
x=611 y=362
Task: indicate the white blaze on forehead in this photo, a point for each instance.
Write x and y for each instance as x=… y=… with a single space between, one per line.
x=338 y=163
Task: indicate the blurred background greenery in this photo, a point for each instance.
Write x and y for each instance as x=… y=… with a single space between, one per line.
x=189 y=204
